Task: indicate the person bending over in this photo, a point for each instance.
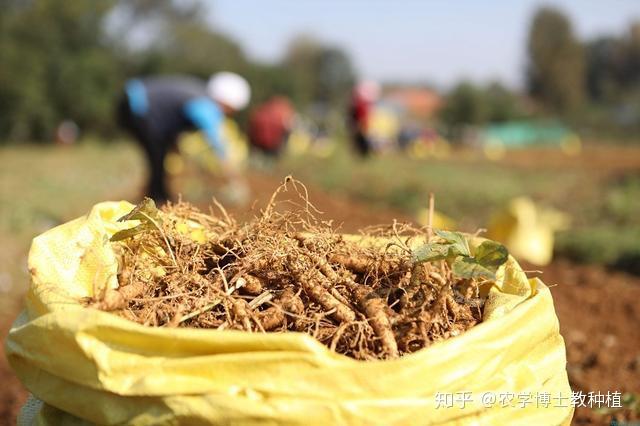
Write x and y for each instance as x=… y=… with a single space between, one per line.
x=157 y=109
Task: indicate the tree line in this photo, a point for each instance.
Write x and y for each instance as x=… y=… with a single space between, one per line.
x=69 y=59
x=591 y=84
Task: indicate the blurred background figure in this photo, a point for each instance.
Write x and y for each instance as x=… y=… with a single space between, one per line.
x=270 y=125
x=67 y=133
x=363 y=96
x=156 y=110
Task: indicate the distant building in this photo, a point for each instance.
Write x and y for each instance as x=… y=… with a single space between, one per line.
x=419 y=103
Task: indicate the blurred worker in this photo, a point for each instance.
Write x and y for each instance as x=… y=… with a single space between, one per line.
x=363 y=97
x=156 y=110
x=270 y=125
x=67 y=133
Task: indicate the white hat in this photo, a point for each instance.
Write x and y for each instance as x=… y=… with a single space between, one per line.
x=230 y=89
x=368 y=90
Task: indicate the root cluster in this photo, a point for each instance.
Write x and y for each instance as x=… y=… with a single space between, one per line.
x=285 y=271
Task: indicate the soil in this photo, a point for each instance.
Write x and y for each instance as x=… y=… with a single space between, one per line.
x=599 y=315
x=605 y=160
x=12 y=393
x=598 y=311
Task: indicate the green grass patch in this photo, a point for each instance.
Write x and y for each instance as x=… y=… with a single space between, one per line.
x=43 y=185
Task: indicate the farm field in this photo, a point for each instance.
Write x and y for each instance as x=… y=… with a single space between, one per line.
x=594 y=292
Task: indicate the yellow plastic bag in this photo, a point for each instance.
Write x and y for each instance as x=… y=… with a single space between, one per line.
x=193 y=146
x=92 y=366
x=440 y=220
x=527 y=229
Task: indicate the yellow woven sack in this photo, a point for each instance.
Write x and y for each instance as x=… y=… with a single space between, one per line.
x=527 y=229
x=89 y=366
x=194 y=147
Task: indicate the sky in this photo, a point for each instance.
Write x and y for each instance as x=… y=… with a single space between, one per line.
x=433 y=41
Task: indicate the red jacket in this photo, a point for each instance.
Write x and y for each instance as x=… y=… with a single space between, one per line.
x=360 y=112
x=270 y=122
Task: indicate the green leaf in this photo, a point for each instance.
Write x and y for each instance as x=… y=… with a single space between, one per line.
x=457 y=240
x=431 y=251
x=468 y=267
x=147 y=213
x=491 y=255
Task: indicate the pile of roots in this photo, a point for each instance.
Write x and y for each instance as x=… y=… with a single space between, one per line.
x=285 y=271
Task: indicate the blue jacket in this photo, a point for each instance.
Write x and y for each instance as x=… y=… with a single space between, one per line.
x=171 y=105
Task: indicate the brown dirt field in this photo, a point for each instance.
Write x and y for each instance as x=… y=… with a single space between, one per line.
x=601 y=159
x=598 y=310
x=599 y=316
x=12 y=393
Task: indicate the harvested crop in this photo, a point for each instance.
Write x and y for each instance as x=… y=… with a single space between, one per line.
x=289 y=271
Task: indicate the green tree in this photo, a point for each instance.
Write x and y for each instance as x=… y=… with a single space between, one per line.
x=69 y=60
x=268 y=80
x=556 y=69
x=172 y=38
x=613 y=66
x=318 y=72
x=631 y=73
x=465 y=104
x=605 y=63
x=502 y=104
x=192 y=48
x=335 y=75
x=55 y=65
x=300 y=59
